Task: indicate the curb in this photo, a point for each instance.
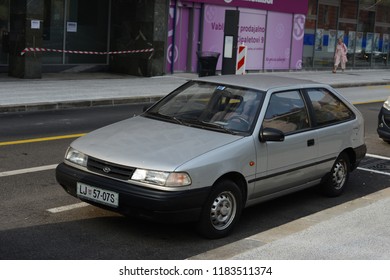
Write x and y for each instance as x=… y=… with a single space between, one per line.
x=50 y=106
x=362 y=84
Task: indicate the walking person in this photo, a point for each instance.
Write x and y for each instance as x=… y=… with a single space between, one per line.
x=340 y=55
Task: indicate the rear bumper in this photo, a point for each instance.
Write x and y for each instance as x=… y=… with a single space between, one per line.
x=360 y=153
x=175 y=206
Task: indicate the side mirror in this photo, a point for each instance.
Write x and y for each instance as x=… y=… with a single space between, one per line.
x=269 y=134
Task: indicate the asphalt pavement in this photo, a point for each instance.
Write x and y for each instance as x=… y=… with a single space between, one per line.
x=364 y=221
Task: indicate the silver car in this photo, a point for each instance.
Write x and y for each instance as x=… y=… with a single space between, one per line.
x=215 y=146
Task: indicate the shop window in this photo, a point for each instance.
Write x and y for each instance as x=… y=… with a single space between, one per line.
x=365 y=37
x=380 y=46
x=383 y=12
x=53 y=30
x=86 y=30
x=382 y=28
x=308 y=43
x=348 y=9
x=348 y=32
x=4 y=22
x=312 y=8
x=326 y=36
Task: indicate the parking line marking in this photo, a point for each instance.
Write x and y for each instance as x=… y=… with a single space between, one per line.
x=27 y=170
x=377 y=156
x=67 y=207
x=372 y=170
x=34 y=140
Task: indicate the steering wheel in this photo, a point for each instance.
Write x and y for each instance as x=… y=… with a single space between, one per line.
x=242 y=121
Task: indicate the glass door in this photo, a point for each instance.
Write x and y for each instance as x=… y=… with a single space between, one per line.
x=53 y=31
x=76 y=25
x=4 y=23
x=86 y=30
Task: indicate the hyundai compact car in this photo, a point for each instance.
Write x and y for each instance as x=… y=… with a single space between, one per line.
x=384 y=121
x=215 y=146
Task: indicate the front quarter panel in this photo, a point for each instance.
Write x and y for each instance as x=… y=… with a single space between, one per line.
x=237 y=157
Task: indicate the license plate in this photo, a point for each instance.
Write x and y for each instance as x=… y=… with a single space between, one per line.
x=97 y=194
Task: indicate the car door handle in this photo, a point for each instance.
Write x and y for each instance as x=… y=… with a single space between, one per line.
x=310 y=142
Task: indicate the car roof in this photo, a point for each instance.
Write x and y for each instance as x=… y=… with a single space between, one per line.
x=259 y=82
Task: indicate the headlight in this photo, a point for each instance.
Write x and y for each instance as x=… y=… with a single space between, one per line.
x=76 y=157
x=160 y=178
x=386 y=105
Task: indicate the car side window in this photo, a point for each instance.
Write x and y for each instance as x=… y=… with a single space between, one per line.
x=286 y=112
x=328 y=108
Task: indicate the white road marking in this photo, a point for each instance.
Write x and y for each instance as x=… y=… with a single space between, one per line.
x=374 y=171
x=27 y=170
x=67 y=207
x=376 y=156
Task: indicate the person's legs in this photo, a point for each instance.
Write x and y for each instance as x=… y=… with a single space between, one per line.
x=336 y=63
x=342 y=65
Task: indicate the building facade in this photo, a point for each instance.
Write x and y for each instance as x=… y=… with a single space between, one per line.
x=279 y=34
x=64 y=30
x=272 y=30
x=364 y=26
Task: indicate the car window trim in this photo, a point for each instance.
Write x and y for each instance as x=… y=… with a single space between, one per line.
x=309 y=103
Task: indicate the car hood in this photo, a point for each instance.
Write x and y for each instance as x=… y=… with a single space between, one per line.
x=152 y=144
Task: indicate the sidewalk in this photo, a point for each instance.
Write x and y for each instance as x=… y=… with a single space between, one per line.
x=68 y=90
x=355 y=230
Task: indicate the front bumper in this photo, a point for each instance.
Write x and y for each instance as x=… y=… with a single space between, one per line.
x=177 y=206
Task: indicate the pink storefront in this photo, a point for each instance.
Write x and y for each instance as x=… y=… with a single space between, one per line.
x=273 y=31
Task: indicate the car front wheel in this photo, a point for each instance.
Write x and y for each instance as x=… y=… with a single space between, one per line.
x=337 y=179
x=221 y=210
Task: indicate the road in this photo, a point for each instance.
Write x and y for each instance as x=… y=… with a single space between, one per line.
x=33 y=224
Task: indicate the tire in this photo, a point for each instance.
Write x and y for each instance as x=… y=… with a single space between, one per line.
x=221 y=211
x=337 y=179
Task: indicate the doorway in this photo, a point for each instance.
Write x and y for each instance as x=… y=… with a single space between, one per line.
x=183 y=37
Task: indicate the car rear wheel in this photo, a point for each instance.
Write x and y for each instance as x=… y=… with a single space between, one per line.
x=337 y=179
x=221 y=210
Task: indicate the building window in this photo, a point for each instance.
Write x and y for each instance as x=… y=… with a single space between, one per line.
x=348 y=9
x=326 y=36
x=4 y=22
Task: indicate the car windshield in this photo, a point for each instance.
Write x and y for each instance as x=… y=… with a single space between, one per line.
x=210 y=106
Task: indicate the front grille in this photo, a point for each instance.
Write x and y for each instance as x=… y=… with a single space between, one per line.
x=110 y=169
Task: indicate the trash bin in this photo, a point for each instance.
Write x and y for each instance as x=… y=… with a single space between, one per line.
x=207 y=63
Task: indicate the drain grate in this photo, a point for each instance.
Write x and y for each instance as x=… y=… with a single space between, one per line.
x=376 y=164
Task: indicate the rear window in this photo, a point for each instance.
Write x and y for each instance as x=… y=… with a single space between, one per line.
x=328 y=109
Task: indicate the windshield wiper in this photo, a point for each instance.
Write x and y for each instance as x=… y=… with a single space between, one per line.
x=204 y=124
x=164 y=117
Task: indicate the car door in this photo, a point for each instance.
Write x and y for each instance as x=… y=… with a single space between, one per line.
x=291 y=162
x=332 y=120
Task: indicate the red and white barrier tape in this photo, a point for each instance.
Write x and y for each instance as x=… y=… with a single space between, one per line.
x=83 y=52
